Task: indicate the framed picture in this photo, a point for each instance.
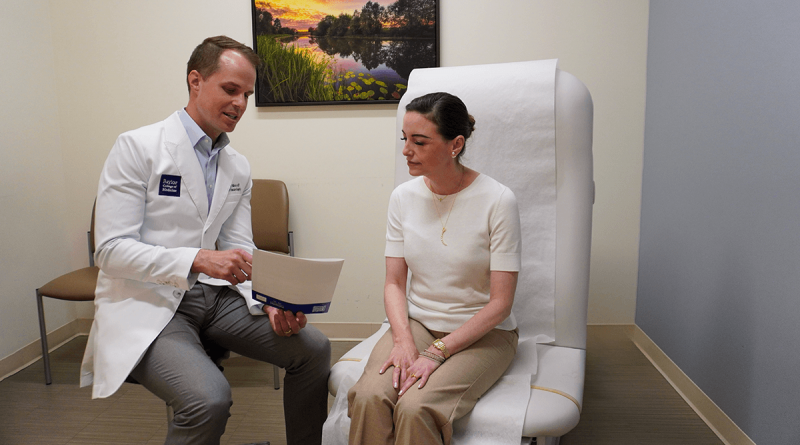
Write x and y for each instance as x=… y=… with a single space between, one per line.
x=341 y=51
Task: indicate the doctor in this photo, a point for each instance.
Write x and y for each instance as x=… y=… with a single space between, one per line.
x=174 y=244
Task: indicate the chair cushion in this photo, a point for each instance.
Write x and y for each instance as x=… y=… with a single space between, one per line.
x=556 y=389
x=78 y=285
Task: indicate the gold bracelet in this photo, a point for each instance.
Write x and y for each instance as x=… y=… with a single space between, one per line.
x=431 y=356
x=439 y=344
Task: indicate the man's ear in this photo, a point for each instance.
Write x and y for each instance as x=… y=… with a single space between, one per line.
x=194 y=79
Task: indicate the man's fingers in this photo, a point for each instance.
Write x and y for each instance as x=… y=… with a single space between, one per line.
x=301 y=319
x=233 y=266
x=248 y=258
x=275 y=316
x=241 y=268
x=246 y=264
x=282 y=325
x=291 y=321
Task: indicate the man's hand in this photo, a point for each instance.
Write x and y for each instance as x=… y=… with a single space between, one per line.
x=284 y=323
x=233 y=266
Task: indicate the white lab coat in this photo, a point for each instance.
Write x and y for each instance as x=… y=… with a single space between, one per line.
x=147 y=241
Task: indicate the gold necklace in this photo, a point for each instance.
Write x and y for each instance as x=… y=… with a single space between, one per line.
x=444 y=224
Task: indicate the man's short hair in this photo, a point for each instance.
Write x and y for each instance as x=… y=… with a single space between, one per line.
x=205 y=57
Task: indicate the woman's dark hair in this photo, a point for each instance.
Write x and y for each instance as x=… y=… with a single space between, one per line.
x=448 y=113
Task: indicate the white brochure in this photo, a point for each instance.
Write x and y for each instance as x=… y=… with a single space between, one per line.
x=295 y=284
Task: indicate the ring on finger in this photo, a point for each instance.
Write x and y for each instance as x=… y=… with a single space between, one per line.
x=287 y=332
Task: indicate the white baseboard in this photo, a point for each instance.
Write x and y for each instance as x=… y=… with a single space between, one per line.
x=32 y=352
x=712 y=415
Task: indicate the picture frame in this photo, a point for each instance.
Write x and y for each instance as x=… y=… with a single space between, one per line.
x=337 y=52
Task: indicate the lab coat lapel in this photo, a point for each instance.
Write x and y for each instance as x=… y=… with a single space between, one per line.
x=182 y=152
x=223 y=185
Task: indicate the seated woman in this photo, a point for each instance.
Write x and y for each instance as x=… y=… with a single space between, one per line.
x=458 y=232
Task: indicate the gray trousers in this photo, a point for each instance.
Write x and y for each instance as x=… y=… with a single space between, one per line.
x=177 y=369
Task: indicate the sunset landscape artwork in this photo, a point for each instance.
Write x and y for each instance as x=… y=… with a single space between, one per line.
x=329 y=51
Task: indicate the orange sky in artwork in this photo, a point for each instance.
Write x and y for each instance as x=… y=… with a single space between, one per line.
x=300 y=14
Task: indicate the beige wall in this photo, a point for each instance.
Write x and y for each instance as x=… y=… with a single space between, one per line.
x=35 y=237
x=88 y=70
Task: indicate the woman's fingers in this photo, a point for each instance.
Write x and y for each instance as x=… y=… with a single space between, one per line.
x=385 y=366
x=408 y=383
x=396 y=377
x=423 y=380
x=418 y=373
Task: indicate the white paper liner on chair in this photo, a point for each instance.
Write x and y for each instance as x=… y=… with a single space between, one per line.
x=488 y=425
x=336 y=429
x=514 y=143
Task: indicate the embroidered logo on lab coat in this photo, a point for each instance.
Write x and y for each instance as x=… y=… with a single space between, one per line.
x=170 y=185
x=235 y=188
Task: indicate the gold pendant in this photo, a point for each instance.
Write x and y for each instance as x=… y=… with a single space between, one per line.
x=442 y=237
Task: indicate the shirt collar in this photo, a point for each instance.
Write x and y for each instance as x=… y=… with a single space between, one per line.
x=196 y=134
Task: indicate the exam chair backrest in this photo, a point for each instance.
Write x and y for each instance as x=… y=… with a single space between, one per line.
x=575 y=198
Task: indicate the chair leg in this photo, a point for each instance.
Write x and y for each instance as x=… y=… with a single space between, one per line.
x=43 y=334
x=276 y=373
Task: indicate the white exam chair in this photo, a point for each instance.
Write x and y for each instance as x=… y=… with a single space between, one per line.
x=557 y=385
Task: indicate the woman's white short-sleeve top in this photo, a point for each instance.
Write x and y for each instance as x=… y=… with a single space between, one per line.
x=450 y=283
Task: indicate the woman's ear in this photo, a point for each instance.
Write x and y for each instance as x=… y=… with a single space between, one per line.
x=457 y=145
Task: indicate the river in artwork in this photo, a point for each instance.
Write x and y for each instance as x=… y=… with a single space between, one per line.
x=389 y=61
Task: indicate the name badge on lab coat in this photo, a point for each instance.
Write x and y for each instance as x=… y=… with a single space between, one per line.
x=170 y=185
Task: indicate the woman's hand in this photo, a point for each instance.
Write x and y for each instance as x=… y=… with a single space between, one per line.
x=420 y=371
x=402 y=356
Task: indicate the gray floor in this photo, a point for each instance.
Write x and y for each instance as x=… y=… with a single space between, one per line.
x=626 y=401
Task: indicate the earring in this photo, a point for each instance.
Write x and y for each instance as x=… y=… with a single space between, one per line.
x=454 y=154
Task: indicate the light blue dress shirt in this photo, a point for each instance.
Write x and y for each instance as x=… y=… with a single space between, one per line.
x=207 y=154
